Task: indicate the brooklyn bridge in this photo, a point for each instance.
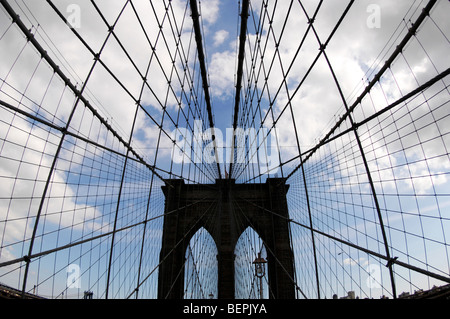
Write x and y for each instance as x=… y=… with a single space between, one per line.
x=212 y=149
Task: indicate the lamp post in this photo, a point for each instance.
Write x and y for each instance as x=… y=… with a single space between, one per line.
x=260 y=271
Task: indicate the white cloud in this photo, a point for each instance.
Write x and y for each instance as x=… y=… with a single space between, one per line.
x=220 y=37
x=221 y=73
x=209 y=10
x=363 y=262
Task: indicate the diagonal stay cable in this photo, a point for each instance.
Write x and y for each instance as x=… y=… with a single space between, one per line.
x=308 y=153
x=182 y=268
x=97 y=57
x=420 y=89
x=16 y=19
x=267 y=247
x=239 y=219
x=174 y=247
x=345 y=242
x=399 y=49
x=201 y=253
x=80 y=242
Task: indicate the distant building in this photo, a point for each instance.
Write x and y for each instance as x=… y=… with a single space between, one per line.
x=350 y=295
x=404 y=295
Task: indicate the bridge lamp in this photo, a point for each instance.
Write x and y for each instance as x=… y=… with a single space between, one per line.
x=260 y=271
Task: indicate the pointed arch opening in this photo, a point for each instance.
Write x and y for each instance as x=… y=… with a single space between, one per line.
x=201 y=267
x=250 y=252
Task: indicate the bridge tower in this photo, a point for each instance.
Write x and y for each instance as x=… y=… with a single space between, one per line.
x=226 y=210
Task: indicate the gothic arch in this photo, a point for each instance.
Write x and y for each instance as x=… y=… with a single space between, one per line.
x=226 y=210
x=201 y=266
x=248 y=247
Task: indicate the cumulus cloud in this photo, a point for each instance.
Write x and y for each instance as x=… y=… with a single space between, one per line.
x=209 y=10
x=222 y=74
x=220 y=37
x=363 y=262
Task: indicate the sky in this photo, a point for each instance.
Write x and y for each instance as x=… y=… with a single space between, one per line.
x=220 y=24
x=415 y=163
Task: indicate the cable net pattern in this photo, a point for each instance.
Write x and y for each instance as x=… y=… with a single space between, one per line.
x=101 y=102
